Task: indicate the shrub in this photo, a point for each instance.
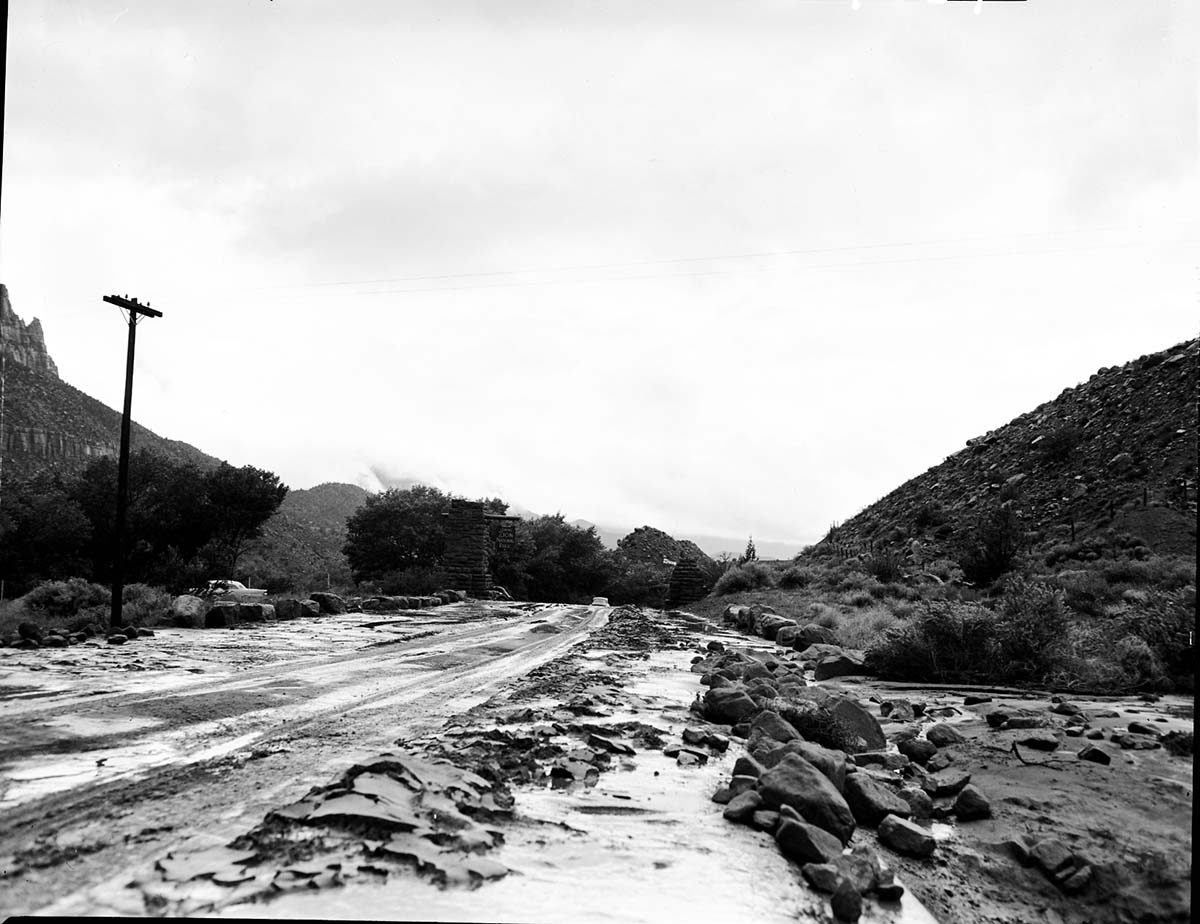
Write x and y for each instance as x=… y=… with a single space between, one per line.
x=885 y=565
x=865 y=627
x=823 y=615
x=858 y=599
x=797 y=576
x=143 y=605
x=991 y=548
x=1029 y=630
x=942 y=642
x=927 y=515
x=64 y=599
x=745 y=577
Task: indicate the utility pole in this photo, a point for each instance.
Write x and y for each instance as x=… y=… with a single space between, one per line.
x=136 y=311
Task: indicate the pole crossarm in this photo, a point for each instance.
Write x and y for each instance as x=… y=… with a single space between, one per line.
x=132 y=305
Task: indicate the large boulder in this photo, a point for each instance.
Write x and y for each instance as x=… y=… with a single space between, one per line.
x=187 y=611
x=872 y=801
x=847 y=663
x=728 y=705
x=222 y=616
x=862 y=728
x=906 y=837
x=769 y=625
x=943 y=734
x=772 y=726
x=31 y=632
x=311 y=608
x=818 y=650
x=797 y=783
x=806 y=843
x=255 y=612
x=288 y=608
x=329 y=603
x=813 y=634
x=832 y=763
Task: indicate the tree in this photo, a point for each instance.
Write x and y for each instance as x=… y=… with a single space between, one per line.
x=395 y=531
x=240 y=501
x=751 y=553
x=991 y=549
x=568 y=564
x=44 y=533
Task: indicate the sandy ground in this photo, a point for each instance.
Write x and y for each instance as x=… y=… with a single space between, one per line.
x=119 y=765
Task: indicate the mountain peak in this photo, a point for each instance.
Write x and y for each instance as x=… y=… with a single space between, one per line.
x=23 y=343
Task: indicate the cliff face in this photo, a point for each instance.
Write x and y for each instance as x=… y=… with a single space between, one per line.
x=49 y=424
x=23 y=344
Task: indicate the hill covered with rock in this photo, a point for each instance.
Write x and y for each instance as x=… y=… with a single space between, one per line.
x=1118 y=452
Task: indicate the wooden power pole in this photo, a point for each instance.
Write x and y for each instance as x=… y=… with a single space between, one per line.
x=136 y=312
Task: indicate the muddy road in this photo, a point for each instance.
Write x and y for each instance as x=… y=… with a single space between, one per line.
x=112 y=755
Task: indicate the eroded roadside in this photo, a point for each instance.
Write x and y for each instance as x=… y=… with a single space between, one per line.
x=532 y=802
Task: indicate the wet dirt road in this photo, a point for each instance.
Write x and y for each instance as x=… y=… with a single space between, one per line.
x=110 y=756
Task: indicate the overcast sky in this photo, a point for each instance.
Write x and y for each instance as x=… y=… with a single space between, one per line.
x=726 y=268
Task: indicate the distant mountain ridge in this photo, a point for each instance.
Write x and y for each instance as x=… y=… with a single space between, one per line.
x=49 y=424
x=1116 y=452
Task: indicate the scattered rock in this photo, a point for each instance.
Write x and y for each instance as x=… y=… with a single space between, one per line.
x=740 y=784
x=971 y=804
x=1051 y=855
x=946 y=783
x=118 y=639
x=898 y=710
x=918 y=750
x=54 y=641
x=919 y=802
x=770 y=724
x=331 y=604
x=1077 y=881
x=765 y=820
x=823 y=877
x=742 y=808
x=972 y=700
x=806 y=843
x=1143 y=728
x=942 y=735
x=1066 y=708
x=716 y=646
x=187 y=611
x=858 y=722
x=905 y=837
x=846 y=664
x=846 y=902
x=797 y=783
x=871 y=801
x=1015 y=722
x=1130 y=742
x=1038 y=741
x=728 y=706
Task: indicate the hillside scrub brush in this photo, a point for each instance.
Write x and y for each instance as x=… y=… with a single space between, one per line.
x=748 y=576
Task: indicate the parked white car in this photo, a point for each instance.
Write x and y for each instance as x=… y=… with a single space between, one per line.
x=230 y=591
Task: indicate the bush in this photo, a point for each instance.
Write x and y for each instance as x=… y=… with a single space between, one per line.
x=927 y=515
x=797 y=576
x=942 y=642
x=745 y=577
x=143 y=605
x=885 y=565
x=865 y=627
x=59 y=600
x=991 y=548
x=1029 y=630
x=823 y=615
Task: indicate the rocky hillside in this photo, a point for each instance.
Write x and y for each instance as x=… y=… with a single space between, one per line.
x=301 y=545
x=650 y=546
x=1116 y=452
x=50 y=424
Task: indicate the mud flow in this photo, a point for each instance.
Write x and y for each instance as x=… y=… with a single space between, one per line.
x=489 y=762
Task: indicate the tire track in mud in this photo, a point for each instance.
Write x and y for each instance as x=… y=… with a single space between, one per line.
x=206 y=787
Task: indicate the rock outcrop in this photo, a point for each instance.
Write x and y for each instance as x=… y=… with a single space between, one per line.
x=23 y=343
